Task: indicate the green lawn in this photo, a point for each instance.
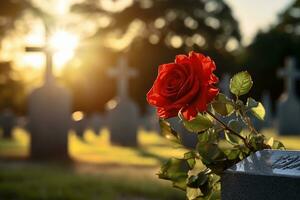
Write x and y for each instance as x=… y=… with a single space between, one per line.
x=99 y=170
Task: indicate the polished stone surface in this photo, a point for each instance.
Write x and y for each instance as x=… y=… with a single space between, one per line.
x=268 y=174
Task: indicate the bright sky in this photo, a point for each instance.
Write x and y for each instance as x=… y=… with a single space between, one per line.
x=254 y=15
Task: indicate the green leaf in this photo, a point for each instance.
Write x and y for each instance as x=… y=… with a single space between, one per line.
x=232 y=154
x=199 y=124
x=241 y=83
x=190 y=158
x=278 y=145
x=168 y=132
x=256 y=108
x=198 y=180
x=175 y=170
x=236 y=126
x=259 y=111
x=223 y=105
x=193 y=193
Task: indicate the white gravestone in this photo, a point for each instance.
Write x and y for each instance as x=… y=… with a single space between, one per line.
x=49 y=115
x=288 y=107
x=123 y=113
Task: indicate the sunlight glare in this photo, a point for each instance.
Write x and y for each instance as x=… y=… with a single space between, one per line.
x=63 y=44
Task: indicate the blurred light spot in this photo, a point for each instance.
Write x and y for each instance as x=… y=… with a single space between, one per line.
x=153 y=39
x=212 y=22
x=189 y=42
x=199 y=40
x=211 y=6
x=232 y=44
x=34 y=60
x=104 y=21
x=145 y=4
x=176 y=41
x=115 y=5
x=171 y=15
x=190 y=23
x=160 y=22
x=77 y=116
x=120 y=41
x=295 y=12
x=111 y=104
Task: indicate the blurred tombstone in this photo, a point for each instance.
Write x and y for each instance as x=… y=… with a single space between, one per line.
x=189 y=139
x=96 y=121
x=79 y=123
x=49 y=115
x=7 y=123
x=123 y=113
x=224 y=84
x=288 y=106
x=267 y=102
x=150 y=121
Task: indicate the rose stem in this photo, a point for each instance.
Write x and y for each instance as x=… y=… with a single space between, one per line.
x=230 y=130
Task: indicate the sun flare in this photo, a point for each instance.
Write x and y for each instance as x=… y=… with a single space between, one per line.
x=63 y=44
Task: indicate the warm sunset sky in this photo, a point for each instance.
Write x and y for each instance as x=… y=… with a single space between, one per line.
x=256 y=14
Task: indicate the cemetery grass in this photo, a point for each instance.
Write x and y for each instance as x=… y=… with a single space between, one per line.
x=98 y=170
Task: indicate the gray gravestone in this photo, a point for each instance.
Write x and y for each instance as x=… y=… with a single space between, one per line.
x=150 y=120
x=189 y=139
x=7 y=123
x=224 y=84
x=95 y=122
x=288 y=107
x=267 y=102
x=123 y=114
x=264 y=175
x=49 y=116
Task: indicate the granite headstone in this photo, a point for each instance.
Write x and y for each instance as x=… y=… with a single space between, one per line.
x=264 y=175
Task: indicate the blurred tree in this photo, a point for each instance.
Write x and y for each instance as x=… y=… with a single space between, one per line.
x=269 y=49
x=154 y=31
x=12 y=93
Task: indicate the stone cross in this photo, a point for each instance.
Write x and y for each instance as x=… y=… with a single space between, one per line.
x=123 y=113
x=49 y=77
x=288 y=106
x=291 y=75
x=49 y=109
x=122 y=72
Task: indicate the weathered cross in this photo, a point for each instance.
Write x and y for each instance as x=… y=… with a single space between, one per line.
x=122 y=73
x=49 y=77
x=290 y=74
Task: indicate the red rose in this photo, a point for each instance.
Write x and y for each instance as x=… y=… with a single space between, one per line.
x=186 y=85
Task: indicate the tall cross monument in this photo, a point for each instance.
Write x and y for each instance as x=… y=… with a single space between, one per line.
x=288 y=106
x=123 y=113
x=49 y=109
